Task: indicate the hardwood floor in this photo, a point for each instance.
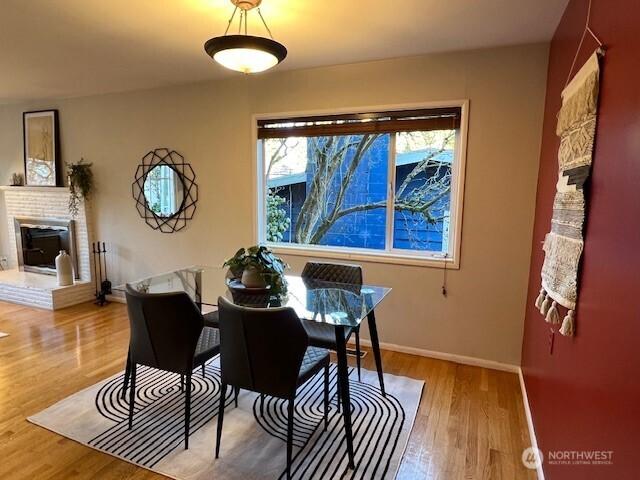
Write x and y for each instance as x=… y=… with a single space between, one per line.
x=470 y=424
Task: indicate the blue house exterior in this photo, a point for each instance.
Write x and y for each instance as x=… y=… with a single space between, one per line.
x=367 y=229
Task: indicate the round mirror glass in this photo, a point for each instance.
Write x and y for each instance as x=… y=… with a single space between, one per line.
x=163 y=191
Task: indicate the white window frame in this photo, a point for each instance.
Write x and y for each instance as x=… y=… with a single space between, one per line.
x=390 y=255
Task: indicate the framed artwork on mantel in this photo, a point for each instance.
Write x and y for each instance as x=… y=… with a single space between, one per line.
x=41 y=148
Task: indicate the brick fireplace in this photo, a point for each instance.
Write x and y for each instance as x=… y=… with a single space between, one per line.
x=42 y=208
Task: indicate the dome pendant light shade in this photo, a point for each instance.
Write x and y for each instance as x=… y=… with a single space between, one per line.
x=245 y=53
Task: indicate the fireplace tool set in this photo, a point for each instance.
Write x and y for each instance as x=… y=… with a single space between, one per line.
x=103 y=284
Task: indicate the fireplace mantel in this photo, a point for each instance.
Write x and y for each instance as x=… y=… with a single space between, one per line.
x=31 y=188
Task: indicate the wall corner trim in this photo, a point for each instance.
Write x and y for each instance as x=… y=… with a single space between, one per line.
x=527 y=414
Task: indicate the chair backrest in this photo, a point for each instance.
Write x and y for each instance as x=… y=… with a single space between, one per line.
x=333 y=272
x=261 y=349
x=255 y=300
x=165 y=328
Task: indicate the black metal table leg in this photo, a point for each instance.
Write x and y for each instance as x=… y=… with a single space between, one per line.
x=127 y=375
x=343 y=380
x=198 y=289
x=375 y=345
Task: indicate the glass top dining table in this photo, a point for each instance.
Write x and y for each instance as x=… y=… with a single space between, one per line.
x=334 y=303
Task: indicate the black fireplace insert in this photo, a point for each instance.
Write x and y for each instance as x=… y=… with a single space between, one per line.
x=39 y=242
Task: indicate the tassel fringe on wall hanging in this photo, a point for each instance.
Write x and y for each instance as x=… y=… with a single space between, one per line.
x=563 y=245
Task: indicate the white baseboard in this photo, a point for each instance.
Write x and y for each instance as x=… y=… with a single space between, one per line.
x=451 y=357
x=527 y=414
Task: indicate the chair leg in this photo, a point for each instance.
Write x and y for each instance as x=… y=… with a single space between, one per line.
x=182 y=383
x=187 y=411
x=289 y=436
x=223 y=390
x=338 y=395
x=358 y=352
x=204 y=373
x=326 y=397
x=132 y=394
x=262 y=404
x=237 y=391
x=127 y=376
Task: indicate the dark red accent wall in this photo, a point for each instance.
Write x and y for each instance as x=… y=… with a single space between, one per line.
x=586 y=394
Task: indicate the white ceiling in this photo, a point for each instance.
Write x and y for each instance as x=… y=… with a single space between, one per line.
x=67 y=48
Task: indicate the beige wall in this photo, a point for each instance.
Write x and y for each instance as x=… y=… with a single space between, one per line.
x=210 y=124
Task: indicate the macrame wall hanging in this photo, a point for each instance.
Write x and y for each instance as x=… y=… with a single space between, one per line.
x=563 y=245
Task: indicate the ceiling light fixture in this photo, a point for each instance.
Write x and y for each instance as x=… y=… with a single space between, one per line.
x=242 y=52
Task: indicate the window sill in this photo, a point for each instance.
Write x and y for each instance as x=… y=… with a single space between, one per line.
x=364 y=256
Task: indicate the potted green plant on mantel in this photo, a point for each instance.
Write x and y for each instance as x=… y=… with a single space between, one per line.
x=258 y=267
x=80 y=184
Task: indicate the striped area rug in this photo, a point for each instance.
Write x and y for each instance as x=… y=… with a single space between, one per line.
x=253 y=441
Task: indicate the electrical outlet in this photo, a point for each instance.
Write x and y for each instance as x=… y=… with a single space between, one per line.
x=3 y=261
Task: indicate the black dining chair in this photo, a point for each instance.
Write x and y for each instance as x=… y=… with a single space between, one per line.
x=211 y=319
x=168 y=333
x=267 y=351
x=321 y=334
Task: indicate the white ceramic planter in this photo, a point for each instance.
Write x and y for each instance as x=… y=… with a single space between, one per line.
x=64 y=270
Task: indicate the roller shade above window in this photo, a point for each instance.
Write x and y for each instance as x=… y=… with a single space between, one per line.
x=362 y=123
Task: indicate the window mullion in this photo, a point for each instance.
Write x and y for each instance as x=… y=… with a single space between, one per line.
x=262 y=192
x=391 y=188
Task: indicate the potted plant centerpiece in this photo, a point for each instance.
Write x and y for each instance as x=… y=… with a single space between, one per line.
x=236 y=265
x=258 y=267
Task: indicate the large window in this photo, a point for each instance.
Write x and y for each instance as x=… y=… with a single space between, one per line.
x=380 y=183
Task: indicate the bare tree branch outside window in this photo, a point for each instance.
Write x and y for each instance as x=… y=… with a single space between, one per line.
x=422 y=195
